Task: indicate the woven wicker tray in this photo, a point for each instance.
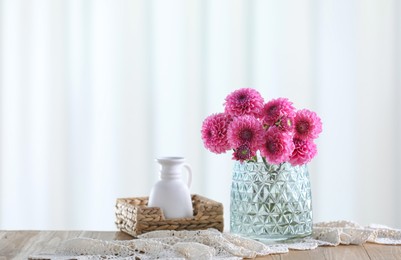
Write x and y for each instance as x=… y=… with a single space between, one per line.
x=134 y=217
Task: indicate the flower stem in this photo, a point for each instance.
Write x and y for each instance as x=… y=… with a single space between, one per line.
x=265 y=162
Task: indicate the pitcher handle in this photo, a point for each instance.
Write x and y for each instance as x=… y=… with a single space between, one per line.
x=189 y=170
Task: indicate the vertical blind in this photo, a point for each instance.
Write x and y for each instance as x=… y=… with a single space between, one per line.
x=91 y=92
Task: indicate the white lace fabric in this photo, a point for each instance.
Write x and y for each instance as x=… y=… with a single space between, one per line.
x=212 y=244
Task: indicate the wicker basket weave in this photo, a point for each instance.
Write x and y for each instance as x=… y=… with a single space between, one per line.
x=134 y=217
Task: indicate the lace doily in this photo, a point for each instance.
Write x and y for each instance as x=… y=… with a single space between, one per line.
x=211 y=244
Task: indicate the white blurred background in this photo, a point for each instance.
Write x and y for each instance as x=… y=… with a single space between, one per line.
x=92 y=91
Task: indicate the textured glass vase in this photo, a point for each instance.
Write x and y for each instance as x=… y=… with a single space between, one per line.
x=270 y=202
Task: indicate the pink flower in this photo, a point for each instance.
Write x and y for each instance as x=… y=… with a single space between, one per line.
x=243 y=153
x=245 y=130
x=214 y=132
x=304 y=152
x=278 y=146
x=275 y=109
x=286 y=124
x=244 y=101
x=307 y=125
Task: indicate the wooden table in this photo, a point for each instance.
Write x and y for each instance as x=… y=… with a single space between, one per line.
x=22 y=244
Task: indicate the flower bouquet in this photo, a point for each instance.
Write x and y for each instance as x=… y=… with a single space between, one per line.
x=272 y=143
x=276 y=129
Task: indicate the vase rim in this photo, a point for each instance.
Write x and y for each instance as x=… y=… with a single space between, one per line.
x=267 y=163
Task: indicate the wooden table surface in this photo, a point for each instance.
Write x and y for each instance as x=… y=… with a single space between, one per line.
x=22 y=244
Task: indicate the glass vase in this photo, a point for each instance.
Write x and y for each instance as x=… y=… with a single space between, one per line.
x=270 y=202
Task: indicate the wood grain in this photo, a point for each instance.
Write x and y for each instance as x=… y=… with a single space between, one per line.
x=324 y=253
x=379 y=252
x=22 y=244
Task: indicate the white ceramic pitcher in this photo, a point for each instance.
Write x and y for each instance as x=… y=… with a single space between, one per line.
x=170 y=193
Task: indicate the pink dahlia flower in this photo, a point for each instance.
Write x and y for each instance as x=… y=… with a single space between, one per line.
x=243 y=152
x=275 y=109
x=304 y=152
x=214 y=132
x=307 y=125
x=245 y=130
x=285 y=124
x=278 y=146
x=244 y=101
